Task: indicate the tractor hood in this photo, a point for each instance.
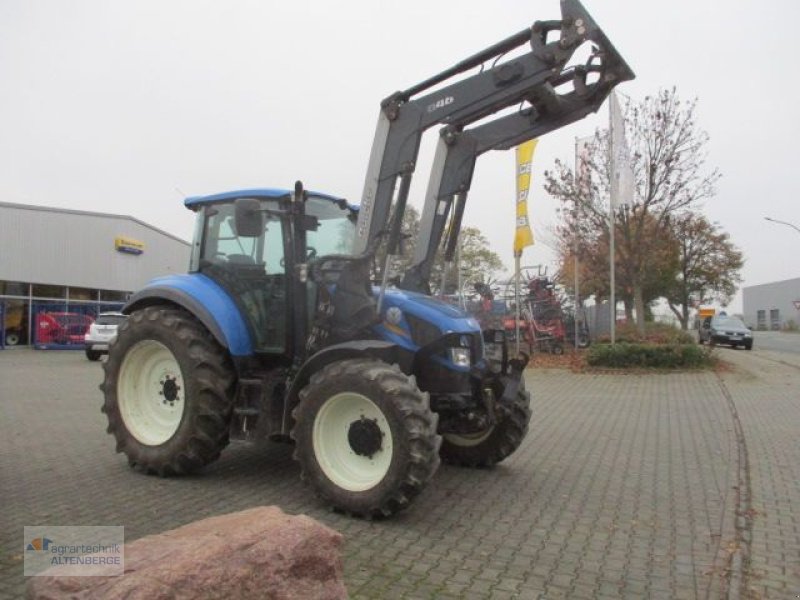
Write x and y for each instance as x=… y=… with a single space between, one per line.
x=405 y=316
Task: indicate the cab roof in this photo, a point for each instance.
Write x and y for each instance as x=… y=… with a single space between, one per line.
x=194 y=202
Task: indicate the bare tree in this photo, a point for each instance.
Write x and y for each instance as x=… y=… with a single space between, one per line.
x=670 y=175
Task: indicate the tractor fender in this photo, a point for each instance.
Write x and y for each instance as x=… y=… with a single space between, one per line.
x=206 y=300
x=386 y=351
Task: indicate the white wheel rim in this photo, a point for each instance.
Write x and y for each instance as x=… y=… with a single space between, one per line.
x=12 y=339
x=468 y=440
x=336 y=457
x=151 y=393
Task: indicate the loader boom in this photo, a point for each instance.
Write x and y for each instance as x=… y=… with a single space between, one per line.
x=534 y=77
x=454 y=164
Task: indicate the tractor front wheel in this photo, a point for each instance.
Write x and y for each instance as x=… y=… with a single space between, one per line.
x=168 y=392
x=365 y=437
x=497 y=442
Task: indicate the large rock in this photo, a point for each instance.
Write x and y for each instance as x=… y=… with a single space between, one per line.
x=256 y=553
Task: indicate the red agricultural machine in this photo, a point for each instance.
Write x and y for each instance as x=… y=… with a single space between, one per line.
x=541 y=318
x=61 y=328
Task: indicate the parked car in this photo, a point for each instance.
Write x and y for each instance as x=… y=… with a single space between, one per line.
x=723 y=329
x=101 y=333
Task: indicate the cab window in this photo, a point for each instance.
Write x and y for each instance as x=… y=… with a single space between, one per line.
x=251 y=270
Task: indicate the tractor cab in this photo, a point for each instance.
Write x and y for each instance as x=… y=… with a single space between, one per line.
x=249 y=243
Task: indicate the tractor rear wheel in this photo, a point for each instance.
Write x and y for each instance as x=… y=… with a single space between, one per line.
x=169 y=390
x=365 y=437
x=494 y=444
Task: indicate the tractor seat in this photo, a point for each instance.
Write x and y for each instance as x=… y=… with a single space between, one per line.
x=241 y=259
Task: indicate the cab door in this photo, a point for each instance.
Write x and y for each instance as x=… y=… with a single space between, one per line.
x=251 y=270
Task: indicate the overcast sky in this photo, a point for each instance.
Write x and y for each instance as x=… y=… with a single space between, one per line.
x=125 y=107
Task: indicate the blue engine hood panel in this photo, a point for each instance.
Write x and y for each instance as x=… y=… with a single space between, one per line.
x=395 y=327
x=446 y=317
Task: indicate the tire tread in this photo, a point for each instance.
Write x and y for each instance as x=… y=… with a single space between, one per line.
x=213 y=378
x=419 y=424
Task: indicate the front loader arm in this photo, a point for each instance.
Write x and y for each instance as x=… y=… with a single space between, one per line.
x=454 y=164
x=533 y=77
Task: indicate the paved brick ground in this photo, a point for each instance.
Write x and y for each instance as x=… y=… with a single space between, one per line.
x=627 y=488
x=765 y=389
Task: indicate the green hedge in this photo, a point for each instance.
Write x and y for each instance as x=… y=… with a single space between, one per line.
x=663 y=356
x=654 y=333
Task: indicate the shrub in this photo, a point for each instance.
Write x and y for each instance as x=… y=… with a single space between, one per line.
x=664 y=356
x=654 y=333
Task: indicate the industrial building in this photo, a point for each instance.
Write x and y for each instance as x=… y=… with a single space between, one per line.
x=772 y=305
x=59 y=268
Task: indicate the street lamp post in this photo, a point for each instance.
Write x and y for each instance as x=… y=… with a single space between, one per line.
x=795 y=227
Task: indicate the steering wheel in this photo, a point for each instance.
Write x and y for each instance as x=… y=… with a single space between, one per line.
x=311 y=252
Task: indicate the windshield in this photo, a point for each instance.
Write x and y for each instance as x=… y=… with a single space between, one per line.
x=337 y=226
x=732 y=322
x=222 y=244
x=334 y=235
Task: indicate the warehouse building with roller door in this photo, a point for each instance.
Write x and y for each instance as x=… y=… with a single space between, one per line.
x=772 y=306
x=59 y=268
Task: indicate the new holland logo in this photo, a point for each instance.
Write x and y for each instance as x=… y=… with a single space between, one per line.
x=128 y=246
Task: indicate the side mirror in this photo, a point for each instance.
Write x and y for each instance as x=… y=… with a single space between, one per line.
x=248 y=217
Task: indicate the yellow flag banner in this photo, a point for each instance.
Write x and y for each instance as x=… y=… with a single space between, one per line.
x=523 y=236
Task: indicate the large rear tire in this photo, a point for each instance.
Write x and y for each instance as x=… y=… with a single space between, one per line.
x=169 y=390
x=365 y=437
x=496 y=443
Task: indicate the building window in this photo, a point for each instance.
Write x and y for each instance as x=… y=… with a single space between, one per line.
x=49 y=291
x=76 y=293
x=113 y=296
x=13 y=288
x=761 y=320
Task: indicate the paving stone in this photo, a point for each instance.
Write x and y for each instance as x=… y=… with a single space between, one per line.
x=624 y=487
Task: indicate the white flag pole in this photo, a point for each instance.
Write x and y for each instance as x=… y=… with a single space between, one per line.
x=575 y=245
x=613 y=299
x=612 y=206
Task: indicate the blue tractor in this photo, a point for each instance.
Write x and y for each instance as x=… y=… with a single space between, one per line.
x=286 y=329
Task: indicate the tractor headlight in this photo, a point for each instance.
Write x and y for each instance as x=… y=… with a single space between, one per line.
x=460 y=357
